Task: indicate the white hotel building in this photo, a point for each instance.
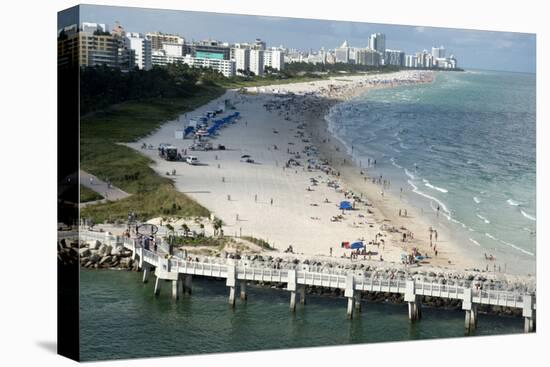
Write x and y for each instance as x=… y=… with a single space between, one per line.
x=226 y=67
x=257 y=62
x=139 y=49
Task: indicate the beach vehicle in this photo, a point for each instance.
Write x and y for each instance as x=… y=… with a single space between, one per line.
x=246 y=158
x=192 y=160
x=168 y=152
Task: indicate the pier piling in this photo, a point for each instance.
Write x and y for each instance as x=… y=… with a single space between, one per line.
x=349 y=293
x=357 y=301
x=292 y=301
x=175 y=289
x=303 y=294
x=243 y=290
x=157 y=286
x=414 y=301
x=146 y=271
x=232 y=296
x=470 y=308
x=528 y=314
x=187 y=284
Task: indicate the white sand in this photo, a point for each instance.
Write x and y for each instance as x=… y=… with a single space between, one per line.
x=289 y=221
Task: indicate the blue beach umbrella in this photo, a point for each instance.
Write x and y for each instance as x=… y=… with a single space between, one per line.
x=345 y=205
x=356 y=245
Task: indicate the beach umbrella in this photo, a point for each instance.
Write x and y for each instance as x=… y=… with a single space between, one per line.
x=345 y=205
x=356 y=245
x=245 y=156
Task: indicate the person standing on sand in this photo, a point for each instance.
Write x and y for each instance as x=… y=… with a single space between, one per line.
x=331 y=252
x=399 y=212
x=256 y=198
x=271 y=201
x=435 y=235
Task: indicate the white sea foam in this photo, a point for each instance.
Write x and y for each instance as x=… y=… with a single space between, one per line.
x=528 y=216
x=517 y=248
x=476 y=200
x=474 y=242
x=491 y=236
x=392 y=160
x=512 y=202
x=408 y=173
x=442 y=206
x=428 y=184
x=403 y=146
x=483 y=218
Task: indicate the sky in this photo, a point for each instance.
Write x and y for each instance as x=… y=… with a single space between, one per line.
x=473 y=49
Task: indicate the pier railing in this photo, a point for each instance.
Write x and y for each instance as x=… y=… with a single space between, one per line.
x=294 y=276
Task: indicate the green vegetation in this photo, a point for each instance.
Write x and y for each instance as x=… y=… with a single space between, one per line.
x=87 y=195
x=102 y=154
x=259 y=242
x=218 y=242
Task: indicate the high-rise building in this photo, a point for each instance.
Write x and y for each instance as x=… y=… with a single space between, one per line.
x=210 y=49
x=410 y=61
x=157 y=39
x=377 y=41
x=242 y=60
x=394 y=57
x=98 y=47
x=438 y=52
x=274 y=58
x=139 y=49
x=258 y=44
x=342 y=53
x=366 y=56
x=257 y=62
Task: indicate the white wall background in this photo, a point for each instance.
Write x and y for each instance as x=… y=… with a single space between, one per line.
x=28 y=180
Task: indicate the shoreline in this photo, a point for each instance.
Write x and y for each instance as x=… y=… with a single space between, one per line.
x=287 y=222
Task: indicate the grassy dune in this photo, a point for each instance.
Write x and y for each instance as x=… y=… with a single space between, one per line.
x=102 y=155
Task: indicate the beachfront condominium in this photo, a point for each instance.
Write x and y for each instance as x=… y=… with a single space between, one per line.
x=377 y=41
x=139 y=48
x=210 y=49
x=366 y=56
x=171 y=53
x=342 y=53
x=225 y=67
x=410 y=61
x=157 y=39
x=394 y=57
x=438 y=52
x=89 y=45
x=274 y=58
x=257 y=62
x=242 y=60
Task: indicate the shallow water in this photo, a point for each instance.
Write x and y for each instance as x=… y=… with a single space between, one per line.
x=121 y=318
x=464 y=143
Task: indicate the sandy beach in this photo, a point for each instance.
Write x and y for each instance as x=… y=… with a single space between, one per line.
x=290 y=194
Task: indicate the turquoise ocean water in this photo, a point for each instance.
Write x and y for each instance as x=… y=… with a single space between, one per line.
x=120 y=318
x=465 y=143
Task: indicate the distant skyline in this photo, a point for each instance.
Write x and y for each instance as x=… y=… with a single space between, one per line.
x=490 y=50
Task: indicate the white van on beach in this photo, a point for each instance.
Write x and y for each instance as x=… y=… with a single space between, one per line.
x=191 y=159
